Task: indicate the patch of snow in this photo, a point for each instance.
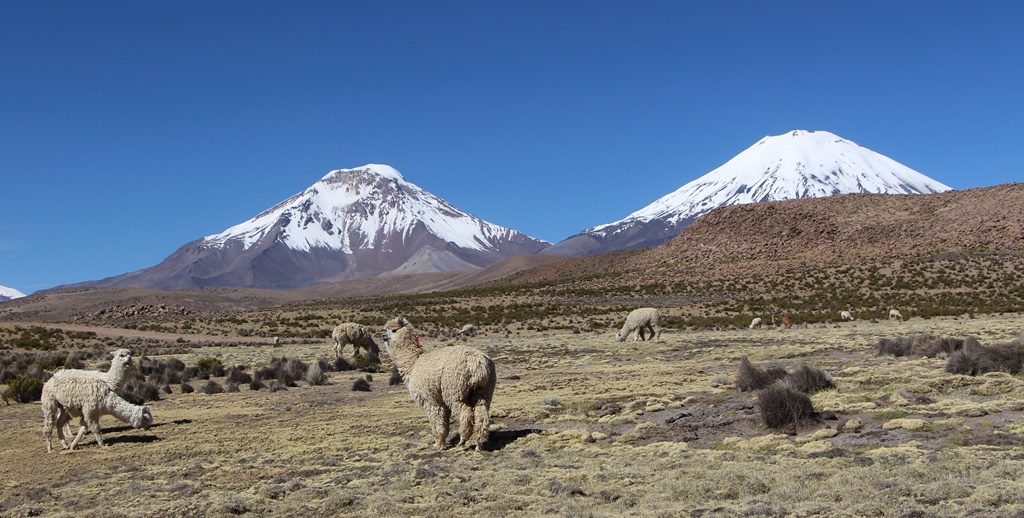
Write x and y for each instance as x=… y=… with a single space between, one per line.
x=10 y=293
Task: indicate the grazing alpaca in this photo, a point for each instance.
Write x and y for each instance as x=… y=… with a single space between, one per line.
x=846 y=315
x=756 y=323
x=357 y=335
x=89 y=399
x=894 y=314
x=638 y=320
x=456 y=381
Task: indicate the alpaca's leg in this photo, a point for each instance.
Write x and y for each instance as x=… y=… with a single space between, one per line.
x=439 y=418
x=639 y=336
x=81 y=432
x=465 y=413
x=482 y=421
x=337 y=348
x=94 y=424
x=48 y=431
x=657 y=332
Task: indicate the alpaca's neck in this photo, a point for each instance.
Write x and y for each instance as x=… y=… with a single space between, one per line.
x=123 y=410
x=117 y=373
x=405 y=359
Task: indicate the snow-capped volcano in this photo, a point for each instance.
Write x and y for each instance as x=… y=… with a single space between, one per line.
x=9 y=294
x=358 y=222
x=798 y=164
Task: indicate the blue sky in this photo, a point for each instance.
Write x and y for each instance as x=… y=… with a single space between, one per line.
x=128 y=129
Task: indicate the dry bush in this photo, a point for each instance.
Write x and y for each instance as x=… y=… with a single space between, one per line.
x=396 y=377
x=315 y=376
x=809 y=380
x=931 y=346
x=975 y=359
x=341 y=364
x=749 y=377
x=211 y=387
x=780 y=405
x=899 y=346
x=361 y=385
x=187 y=389
x=256 y=384
x=231 y=387
x=238 y=375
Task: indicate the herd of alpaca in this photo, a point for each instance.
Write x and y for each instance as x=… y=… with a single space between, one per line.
x=450 y=383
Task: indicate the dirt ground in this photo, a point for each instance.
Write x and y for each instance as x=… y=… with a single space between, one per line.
x=582 y=426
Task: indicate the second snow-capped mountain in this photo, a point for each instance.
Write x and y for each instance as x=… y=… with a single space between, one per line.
x=798 y=164
x=359 y=222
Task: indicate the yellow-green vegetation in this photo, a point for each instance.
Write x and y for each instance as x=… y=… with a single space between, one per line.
x=582 y=425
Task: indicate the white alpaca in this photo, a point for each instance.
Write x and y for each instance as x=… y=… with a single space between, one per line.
x=355 y=334
x=468 y=330
x=120 y=363
x=638 y=320
x=756 y=323
x=846 y=315
x=894 y=314
x=456 y=381
x=87 y=398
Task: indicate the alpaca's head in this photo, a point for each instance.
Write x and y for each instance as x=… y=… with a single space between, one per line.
x=142 y=419
x=404 y=340
x=121 y=357
x=396 y=323
x=620 y=336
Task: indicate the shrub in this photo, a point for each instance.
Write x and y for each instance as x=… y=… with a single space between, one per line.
x=238 y=376
x=231 y=387
x=256 y=384
x=211 y=387
x=315 y=376
x=810 y=380
x=189 y=373
x=187 y=389
x=340 y=364
x=24 y=389
x=780 y=405
x=210 y=366
x=931 y=346
x=396 y=377
x=137 y=392
x=361 y=385
x=276 y=385
x=367 y=362
x=167 y=389
x=975 y=359
x=899 y=346
x=749 y=377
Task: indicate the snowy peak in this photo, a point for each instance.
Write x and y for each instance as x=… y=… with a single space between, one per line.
x=351 y=223
x=9 y=294
x=797 y=164
x=368 y=207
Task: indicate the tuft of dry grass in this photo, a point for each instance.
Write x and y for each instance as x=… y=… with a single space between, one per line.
x=361 y=385
x=780 y=405
x=749 y=377
x=809 y=380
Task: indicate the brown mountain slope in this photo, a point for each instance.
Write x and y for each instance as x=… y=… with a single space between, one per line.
x=845 y=229
x=813 y=233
